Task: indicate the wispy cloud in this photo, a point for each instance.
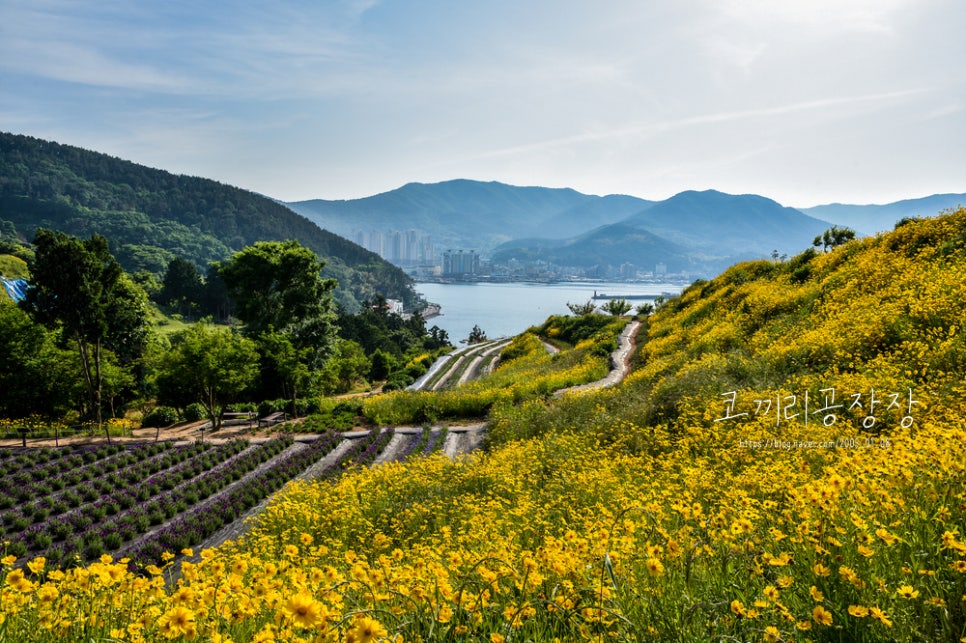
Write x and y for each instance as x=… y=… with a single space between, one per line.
x=639 y=131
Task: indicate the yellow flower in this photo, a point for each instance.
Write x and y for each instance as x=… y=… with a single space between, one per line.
x=177 y=621
x=820 y=570
x=881 y=616
x=304 y=610
x=37 y=564
x=654 y=567
x=737 y=608
x=816 y=594
x=804 y=625
x=497 y=638
x=858 y=611
x=821 y=615
x=305 y=539
x=772 y=634
x=907 y=591
x=366 y=630
x=886 y=537
x=959 y=566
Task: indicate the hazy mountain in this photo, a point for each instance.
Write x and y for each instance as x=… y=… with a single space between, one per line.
x=150 y=216
x=457 y=214
x=592 y=214
x=693 y=231
x=869 y=219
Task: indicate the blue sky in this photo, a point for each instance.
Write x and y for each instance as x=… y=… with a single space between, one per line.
x=806 y=102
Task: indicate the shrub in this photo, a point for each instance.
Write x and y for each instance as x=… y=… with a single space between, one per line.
x=160 y=416
x=194 y=412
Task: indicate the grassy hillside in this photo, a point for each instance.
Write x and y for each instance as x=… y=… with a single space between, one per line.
x=656 y=510
x=151 y=216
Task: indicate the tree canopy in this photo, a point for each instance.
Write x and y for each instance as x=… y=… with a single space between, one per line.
x=79 y=288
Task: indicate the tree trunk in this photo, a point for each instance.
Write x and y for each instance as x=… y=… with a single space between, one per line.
x=100 y=389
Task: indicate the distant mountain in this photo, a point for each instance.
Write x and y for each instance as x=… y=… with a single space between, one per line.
x=458 y=214
x=700 y=232
x=870 y=219
x=597 y=212
x=151 y=216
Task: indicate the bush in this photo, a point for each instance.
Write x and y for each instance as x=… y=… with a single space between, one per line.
x=160 y=416
x=195 y=412
x=398 y=381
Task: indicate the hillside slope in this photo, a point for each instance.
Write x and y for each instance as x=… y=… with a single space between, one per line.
x=151 y=216
x=787 y=463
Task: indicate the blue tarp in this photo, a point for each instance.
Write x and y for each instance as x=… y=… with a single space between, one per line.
x=15 y=288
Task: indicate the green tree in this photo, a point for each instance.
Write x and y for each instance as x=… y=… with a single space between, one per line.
x=476 y=335
x=279 y=286
x=644 y=309
x=616 y=307
x=79 y=288
x=833 y=237
x=35 y=375
x=383 y=364
x=215 y=364
x=181 y=288
x=582 y=309
x=348 y=366
x=284 y=364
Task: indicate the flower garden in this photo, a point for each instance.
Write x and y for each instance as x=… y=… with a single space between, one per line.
x=787 y=462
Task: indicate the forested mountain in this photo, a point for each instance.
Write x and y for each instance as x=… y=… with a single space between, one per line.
x=457 y=214
x=692 y=231
x=151 y=216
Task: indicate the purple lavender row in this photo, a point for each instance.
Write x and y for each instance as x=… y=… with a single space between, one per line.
x=90 y=541
x=43 y=494
x=36 y=466
x=119 y=509
x=109 y=491
x=416 y=443
x=199 y=523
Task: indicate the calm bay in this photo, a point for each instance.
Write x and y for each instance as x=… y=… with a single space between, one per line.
x=508 y=309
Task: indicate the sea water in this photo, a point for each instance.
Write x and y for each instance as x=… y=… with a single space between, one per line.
x=508 y=309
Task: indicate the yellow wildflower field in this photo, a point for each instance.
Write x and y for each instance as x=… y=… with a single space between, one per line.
x=786 y=463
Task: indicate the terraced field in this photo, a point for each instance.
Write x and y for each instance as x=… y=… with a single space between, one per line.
x=75 y=503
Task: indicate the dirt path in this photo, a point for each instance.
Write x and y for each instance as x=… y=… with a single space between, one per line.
x=619 y=360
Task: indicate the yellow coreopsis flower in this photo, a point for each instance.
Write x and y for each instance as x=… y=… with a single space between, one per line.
x=821 y=615
x=880 y=616
x=176 y=622
x=366 y=630
x=907 y=591
x=37 y=564
x=772 y=634
x=304 y=610
x=816 y=594
x=858 y=611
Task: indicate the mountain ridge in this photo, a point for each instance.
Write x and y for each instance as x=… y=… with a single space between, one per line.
x=151 y=215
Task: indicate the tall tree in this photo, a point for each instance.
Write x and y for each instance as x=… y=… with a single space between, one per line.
x=277 y=288
x=35 y=374
x=182 y=288
x=215 y=365
x=78 y=287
